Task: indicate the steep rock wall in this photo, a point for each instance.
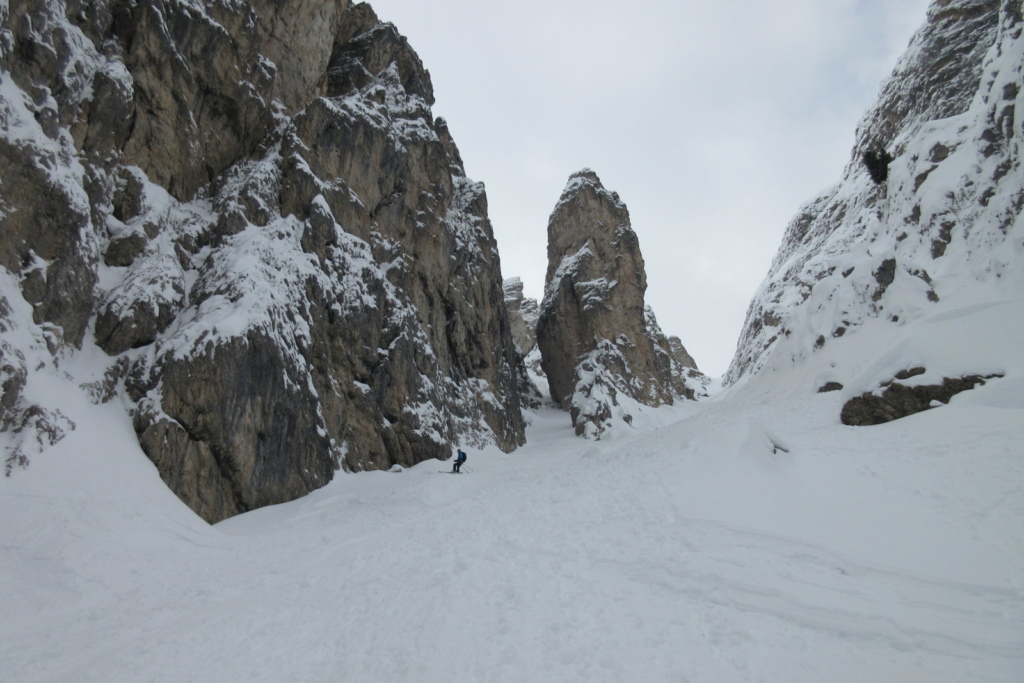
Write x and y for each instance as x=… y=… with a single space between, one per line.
x=278 y=248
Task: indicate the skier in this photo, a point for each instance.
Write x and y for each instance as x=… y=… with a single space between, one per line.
x=458 y=462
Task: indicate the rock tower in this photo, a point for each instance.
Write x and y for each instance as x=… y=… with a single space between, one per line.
x=602 y=350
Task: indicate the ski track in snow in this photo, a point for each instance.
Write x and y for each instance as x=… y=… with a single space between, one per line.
x=694 y=550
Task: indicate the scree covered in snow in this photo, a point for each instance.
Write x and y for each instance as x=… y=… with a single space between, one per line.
x=750 y=537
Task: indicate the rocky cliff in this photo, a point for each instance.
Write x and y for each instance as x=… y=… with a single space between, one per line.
x=601 y=348
x=925 y=222
x=277 y=249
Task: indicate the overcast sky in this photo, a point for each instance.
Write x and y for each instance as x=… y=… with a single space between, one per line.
x=714 y=121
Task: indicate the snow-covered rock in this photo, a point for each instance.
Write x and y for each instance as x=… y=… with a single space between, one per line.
x=866 y=268
x=278 y=248
x=602 y=350
x=523 y=314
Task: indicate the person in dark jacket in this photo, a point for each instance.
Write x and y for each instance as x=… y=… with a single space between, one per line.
x=458 y=462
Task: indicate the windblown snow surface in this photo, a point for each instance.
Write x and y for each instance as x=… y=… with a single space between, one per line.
x=750 y=537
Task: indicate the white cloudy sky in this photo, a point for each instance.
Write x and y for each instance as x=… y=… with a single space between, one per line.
x=714 y=121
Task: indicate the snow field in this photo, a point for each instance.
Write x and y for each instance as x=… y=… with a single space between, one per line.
x=693 y=550
x=747 y=538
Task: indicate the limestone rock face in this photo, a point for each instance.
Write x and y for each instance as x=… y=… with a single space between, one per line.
x=602 y=350
x=523 y=314
x=938 y=217
x=206 y=77
x=278 y=248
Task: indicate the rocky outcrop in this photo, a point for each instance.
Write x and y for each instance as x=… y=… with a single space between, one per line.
x=523 y=314
x=897 y=398
x=686 y=380
x=278 y=248
x=928 y=208
x=681 y=356
x=27 y=427
x=602 y=350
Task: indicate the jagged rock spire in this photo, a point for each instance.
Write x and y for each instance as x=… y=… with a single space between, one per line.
x=601 y=349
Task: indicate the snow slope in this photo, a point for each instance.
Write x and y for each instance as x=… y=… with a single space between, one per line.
x=746 y=538
x=945 y=224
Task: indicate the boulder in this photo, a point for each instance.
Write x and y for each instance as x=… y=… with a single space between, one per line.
x=896 y=399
